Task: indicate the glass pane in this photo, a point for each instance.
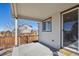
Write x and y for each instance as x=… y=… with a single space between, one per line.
x=44 y=26
x=70 y=29
x=48 y=26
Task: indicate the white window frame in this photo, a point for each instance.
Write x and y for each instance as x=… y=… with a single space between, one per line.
x=47 y=29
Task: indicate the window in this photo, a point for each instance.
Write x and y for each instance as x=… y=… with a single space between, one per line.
x=47 y=26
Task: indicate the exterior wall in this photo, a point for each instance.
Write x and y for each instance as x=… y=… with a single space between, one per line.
x=51 y=38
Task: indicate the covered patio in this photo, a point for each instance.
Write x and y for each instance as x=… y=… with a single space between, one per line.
x=41 y=12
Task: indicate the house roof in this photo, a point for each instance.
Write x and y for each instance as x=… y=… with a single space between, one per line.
x=38 y=11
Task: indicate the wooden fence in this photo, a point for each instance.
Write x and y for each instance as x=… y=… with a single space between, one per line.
x=9 y=41
x=6 y=42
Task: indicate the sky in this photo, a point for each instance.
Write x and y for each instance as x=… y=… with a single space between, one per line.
x=6 y=20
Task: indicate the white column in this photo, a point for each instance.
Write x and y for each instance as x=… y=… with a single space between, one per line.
x=16 y=32
x=39 y=29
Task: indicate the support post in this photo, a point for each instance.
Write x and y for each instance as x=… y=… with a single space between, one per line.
x=16 y=42
x=15 y=13
x=38 y=30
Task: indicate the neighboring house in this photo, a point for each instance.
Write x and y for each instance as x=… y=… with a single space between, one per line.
x=50 y=18
x=25 y=29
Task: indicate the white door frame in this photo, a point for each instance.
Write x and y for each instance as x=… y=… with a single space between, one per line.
x=62 y=25
x=78 y=28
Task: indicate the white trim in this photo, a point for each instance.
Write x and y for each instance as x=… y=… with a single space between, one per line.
x=15 y=32
x=72 y=50
x=62 y=30
x=70 y=10
x=15 y=10
x=78 y=28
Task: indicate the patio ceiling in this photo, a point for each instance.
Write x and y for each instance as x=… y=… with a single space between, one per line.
x=38 y=11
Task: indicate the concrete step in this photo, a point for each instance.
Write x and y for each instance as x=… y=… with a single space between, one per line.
x=66 y=52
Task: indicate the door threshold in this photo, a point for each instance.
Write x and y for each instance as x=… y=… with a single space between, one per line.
x=72 y=50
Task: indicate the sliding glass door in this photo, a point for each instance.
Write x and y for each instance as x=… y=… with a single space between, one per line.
x=70 y=29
